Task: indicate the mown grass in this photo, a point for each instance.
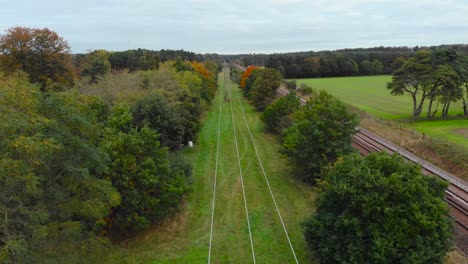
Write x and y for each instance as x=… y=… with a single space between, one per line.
x=369 y=94
x=185 y=238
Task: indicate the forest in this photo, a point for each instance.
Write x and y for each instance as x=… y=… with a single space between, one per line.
x=90 y=143
x=345 y=62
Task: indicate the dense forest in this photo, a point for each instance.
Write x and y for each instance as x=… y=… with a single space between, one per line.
x=89 y=153
x=345 y=62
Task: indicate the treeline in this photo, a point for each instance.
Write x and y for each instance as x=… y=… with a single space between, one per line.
x=355 y=207
x=85 y=159
x=345 y=62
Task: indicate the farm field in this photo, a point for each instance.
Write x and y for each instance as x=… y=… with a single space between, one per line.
x=186 y=239
x=369 y=94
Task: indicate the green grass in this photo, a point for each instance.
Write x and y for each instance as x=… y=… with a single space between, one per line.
x=185 y=239
x=369 y=94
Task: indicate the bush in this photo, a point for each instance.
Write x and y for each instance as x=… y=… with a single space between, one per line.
x=321 y=132
x=306 y=89
x=291 y=85
x=140 y=170
x=276 y=116
x=379 y=209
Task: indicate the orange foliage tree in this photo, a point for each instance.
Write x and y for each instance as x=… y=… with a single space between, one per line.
x=246 y=75
x=41 y=53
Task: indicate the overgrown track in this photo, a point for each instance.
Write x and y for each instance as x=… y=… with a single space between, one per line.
x=456 y=194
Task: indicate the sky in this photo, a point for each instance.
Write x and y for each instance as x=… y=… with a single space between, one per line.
x=240 y=26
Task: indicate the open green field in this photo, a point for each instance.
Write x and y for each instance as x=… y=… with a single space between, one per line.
x=369 y=94
x=186 y=238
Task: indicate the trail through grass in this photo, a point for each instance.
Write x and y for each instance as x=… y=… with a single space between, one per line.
x=186 y=238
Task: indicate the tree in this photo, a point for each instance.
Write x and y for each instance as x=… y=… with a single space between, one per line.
x=158 y=113
x=365 y=67
x=379 y=209
x=276 y=116
x=312 y=66
x=95 y=64
x=412 y=78
x=246 y=75
x=50 y=170
x=141 y=171
x=41 y=53
x=321 y=132
x=264 y=87
x=377 y=67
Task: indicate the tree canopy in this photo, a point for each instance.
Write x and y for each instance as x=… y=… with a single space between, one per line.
x=379 y=209
x=320 y=133
x=41 y=53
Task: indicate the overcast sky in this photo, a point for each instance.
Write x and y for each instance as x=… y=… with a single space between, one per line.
x=240 y=26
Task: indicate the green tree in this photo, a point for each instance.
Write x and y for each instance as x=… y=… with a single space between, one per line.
x=365 y=67
x=41 y=53
x=412 y=78
x=95 y=64
x=264 y=87
x=50 y=169
x=157 y=112
x=379 y=209
x=321 y=132
x=141 y=171
x=377 y=67
x=276 y=116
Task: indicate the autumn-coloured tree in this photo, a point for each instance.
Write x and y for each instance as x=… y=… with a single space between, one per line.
x=41 y=53
x=246 y=75
x=206 y=72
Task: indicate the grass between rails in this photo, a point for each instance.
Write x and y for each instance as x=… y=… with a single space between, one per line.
x=185 y=238
x=369 y=94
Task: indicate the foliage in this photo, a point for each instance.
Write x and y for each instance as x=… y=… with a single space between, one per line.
x=264 y=87
x=140 y=170
x=291 y=85
x=49 y=166
x=245 y=76
x=306 y=89
x=277 y=116
x=321 y=132
x=429 y=76
x=94 y=64
x=158 y=113
x=41 y=53
x=379 y=209
x=133 y=60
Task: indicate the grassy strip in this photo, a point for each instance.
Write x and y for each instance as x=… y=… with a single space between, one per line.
x=185 y=238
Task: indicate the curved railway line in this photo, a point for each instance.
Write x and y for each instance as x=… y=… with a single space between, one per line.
x=456 y=194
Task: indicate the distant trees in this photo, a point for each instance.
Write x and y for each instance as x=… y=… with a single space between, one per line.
x=320 y=133
x=431 y=75
x=379 y=209
x=134 y=60
x=41 y=53
x=94 y=64
x=346 y=62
